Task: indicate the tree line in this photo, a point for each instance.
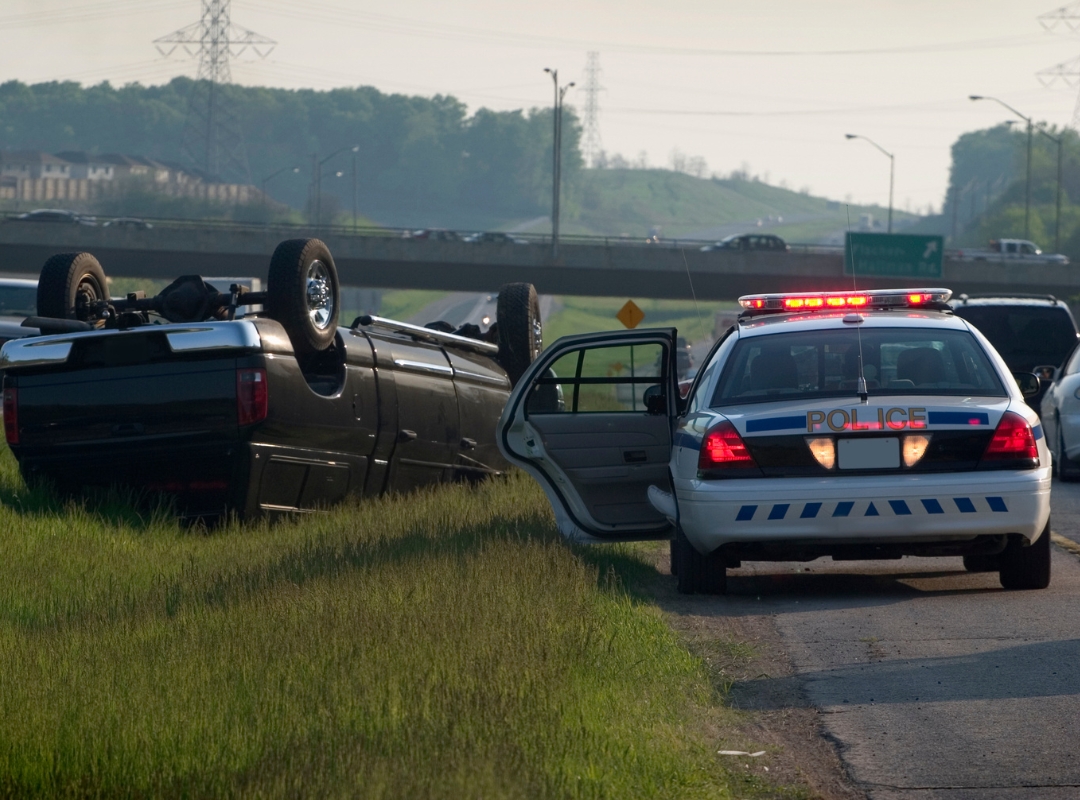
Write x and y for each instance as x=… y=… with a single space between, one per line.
x=419 y=159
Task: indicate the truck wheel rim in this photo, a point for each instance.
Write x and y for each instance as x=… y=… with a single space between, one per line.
x=320 y=295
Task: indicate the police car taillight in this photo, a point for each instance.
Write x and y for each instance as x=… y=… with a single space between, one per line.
x=843 y=301
x=1013 y=440
x=723 y=448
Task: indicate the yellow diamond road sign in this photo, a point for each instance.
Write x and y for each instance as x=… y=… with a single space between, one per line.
x=630 y=315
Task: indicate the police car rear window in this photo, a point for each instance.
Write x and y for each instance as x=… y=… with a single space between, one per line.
x=825 y=363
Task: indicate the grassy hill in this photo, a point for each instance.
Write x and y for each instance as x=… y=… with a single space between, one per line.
x=631 y=202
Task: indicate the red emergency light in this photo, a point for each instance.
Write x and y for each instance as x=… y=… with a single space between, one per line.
x=840 y=301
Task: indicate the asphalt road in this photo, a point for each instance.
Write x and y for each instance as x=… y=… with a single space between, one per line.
x=932 y=682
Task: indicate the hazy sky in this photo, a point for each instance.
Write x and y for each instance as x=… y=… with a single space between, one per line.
x=773 y=84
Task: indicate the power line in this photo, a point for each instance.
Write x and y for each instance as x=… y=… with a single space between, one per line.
x=314 y=11
x=1068 y=72
x=212 y=138
x=591 y=147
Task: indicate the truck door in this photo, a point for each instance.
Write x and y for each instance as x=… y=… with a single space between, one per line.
x=591 y=421
x=428 y=430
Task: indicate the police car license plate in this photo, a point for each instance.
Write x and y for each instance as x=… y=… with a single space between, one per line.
x=869 y=453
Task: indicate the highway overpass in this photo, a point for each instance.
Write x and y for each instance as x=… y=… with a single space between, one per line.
x=595 y=267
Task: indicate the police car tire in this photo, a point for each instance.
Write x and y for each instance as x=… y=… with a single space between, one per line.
x=674 y=558
x=1066 y=469
x=1027 y=567
x=697 y=573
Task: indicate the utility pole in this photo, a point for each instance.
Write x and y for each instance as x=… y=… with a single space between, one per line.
x=591 y=147
x=1027 y=189
x=556 y=157
x=211 y=138
x=354 y=193
x=1067 y=18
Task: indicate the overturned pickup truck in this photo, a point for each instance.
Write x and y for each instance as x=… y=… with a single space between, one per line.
x=281 y=410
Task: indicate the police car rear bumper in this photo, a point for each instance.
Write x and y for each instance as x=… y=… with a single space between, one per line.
x=922 y=508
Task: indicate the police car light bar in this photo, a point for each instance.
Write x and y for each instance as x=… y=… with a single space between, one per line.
x=840 y=301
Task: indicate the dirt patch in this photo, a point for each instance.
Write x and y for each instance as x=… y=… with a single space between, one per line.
x=740 y=650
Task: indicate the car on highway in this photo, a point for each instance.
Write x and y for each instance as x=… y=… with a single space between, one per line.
x=749 y=241
x=135 y=223
x=1032 y=332
x=1014 y=251
x=438 y=234
x=54 y=215
x=494 y=237
x=280 y=411
x=856 y=425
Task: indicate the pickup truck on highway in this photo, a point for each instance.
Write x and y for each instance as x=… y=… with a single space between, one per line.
x=281 y=411
x=1019 y=250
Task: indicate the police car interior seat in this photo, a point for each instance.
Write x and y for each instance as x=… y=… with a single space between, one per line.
x=921 y=366
x=773 y=369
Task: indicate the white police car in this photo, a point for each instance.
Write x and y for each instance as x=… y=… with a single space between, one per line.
x=860 y=425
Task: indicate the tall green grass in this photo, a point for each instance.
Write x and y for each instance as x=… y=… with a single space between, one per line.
x=445 y=644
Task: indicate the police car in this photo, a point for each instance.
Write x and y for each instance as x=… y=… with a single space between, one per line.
x=858 y=425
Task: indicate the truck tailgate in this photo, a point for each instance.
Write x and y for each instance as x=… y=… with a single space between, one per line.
x=186 y=400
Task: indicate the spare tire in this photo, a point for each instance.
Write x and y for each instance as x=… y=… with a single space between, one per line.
x=303 y=294
x=68 y=284
x=520 y=331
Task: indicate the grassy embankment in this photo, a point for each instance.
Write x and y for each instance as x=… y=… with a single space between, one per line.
x=443 y=645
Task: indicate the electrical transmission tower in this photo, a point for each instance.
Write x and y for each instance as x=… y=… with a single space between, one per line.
x=591 y=145
x=1067 y=18
x=212 y=139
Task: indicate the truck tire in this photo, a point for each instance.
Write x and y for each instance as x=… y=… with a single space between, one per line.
x=303 y=294
x=521 y=333
x=1026 y=567
x=69 y=281
x=696 y=573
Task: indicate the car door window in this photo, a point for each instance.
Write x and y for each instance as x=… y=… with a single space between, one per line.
x=598 y=380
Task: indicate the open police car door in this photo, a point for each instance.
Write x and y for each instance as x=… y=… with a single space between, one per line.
x=591 y=420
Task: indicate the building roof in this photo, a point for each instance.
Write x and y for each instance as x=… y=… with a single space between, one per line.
x=29 y=157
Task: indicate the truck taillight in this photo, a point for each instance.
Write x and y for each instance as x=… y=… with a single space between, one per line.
x=1013 y=440
x=723 y=448
x=252 y=398
x=11 y=415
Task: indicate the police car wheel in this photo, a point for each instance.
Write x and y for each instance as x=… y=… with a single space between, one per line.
x=697 y=573
x=1026 y=567
x=674 y=563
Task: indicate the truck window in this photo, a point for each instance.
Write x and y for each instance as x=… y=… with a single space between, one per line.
x=1010 y=247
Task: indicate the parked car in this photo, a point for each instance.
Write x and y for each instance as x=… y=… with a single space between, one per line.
x=851 y=425
x=54 y=215
x=18 y=298
x=749 y=241
x=1033 y=333
x=494 y=237
x=281 y=411
x=128 y=222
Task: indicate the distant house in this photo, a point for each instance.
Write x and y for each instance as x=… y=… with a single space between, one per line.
x=87 y=166
x=125 y=166
x=32 y=164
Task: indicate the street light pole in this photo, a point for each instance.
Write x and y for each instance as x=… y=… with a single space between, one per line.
x=267 y=180
x=556 y=157
x=1058 y=140
x=892 y=168
x=354 y=193
x=1027 y=191
x=317 y=169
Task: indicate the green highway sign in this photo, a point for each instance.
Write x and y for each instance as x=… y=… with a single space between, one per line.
x=893 y=255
